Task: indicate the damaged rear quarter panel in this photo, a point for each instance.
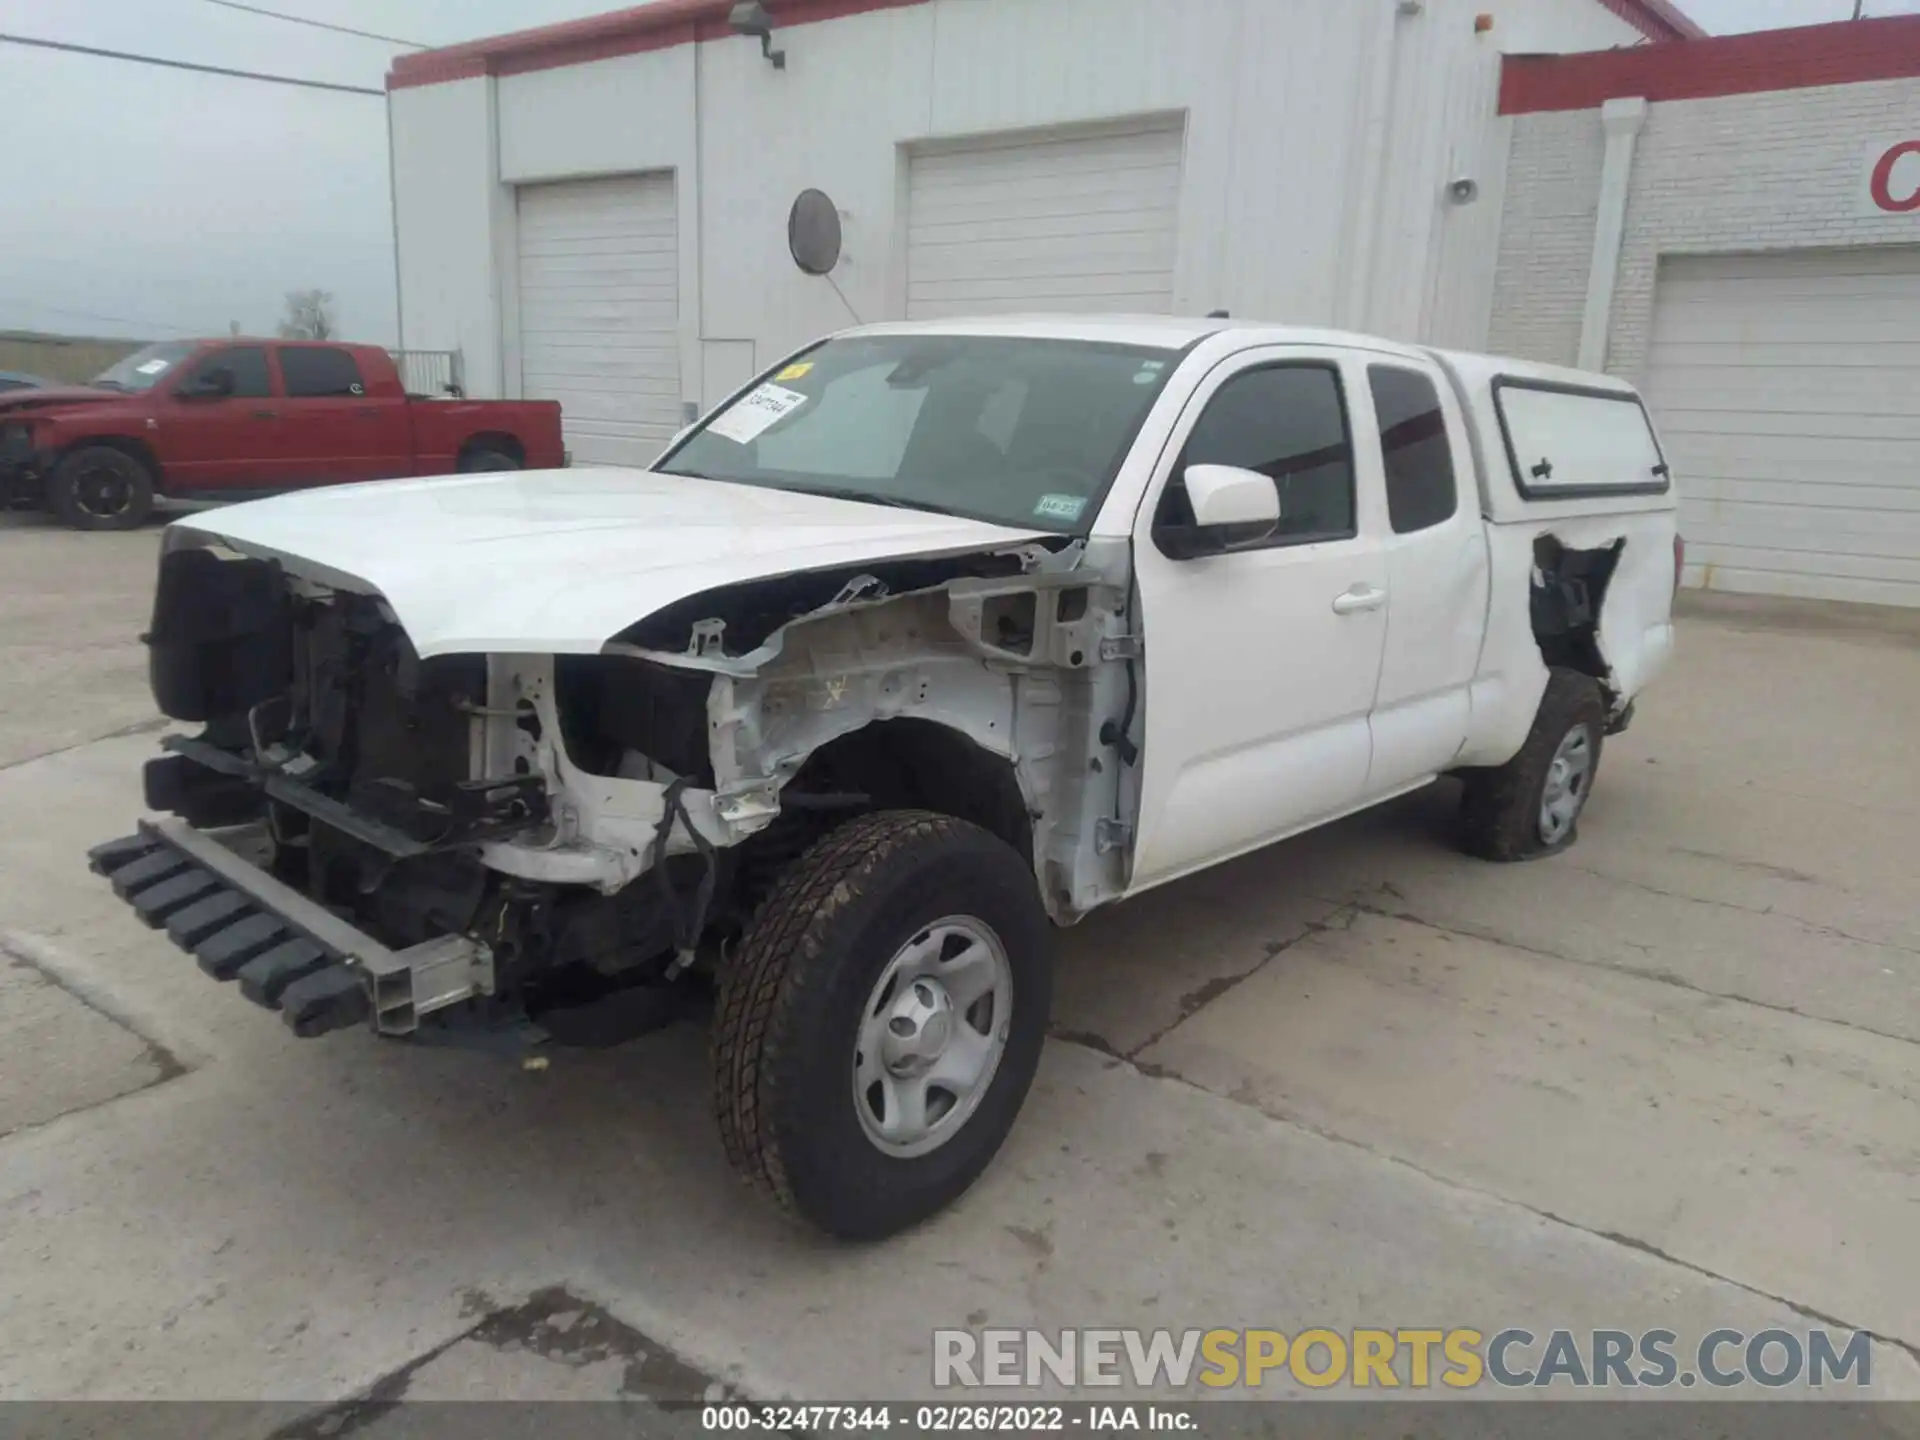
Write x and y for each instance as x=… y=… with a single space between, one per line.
x=1635 y=631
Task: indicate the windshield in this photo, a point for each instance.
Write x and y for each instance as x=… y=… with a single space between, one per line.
x=1025 y=433
x=143 y=368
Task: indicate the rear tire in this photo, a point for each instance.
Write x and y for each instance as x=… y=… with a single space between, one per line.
x=485 y=457
x=98 y=487
x=1531 y=805
x=820 y=975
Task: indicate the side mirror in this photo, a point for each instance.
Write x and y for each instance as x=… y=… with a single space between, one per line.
x=1231 y=507
x=213 y=384
x=1227 y=495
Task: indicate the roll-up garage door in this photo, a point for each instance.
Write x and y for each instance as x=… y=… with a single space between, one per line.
x=599 y=273
x=1787 y=390
x=1085 y=223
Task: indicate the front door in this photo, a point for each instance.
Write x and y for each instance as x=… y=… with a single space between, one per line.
x=235 y=441
x=1261 y=662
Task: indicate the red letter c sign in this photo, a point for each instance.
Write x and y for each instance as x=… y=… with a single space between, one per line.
x=1882 y=182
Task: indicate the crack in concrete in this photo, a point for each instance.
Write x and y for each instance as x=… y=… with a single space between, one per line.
x=138 y=727
x=1279 y=1115
x=1813 y=927
x=166 y=1065
x=1638 y=972
x=1197 y=999
x=553 y=1323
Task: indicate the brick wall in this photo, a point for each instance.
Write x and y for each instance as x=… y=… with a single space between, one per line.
x=1546 y=235
x=1769 y=171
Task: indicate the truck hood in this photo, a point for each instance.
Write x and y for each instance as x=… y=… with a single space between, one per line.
x=57 y=397
x=560 y=561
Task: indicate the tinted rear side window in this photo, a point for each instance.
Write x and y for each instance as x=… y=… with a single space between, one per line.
x=1421 y=490
x=318 y=371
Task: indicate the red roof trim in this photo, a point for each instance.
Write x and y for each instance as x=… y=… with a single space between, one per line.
x=658 y=26
x=666 y=23
x=1845 y=53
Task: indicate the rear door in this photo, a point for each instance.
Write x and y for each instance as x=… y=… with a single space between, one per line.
x=233 y=442
x=337 y=430
x=1435 y=547
x=1261 y=663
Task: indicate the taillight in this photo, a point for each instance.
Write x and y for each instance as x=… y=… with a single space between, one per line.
x=1679 y=559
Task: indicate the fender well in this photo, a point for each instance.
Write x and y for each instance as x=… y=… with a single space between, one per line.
x=500 y=440
x=1568 y=593
x=911 y=764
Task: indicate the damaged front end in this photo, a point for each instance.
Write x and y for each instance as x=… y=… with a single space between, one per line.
x=23 y=466
x=504 y=848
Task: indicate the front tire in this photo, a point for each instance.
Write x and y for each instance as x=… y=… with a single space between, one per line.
x=881 y=1022
x=98 y=487
x=1531 y=805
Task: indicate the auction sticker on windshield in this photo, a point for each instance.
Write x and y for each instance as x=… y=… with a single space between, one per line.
x=751 y=414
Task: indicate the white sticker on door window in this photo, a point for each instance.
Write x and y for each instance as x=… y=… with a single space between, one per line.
x=151 y=367
x=748 y=416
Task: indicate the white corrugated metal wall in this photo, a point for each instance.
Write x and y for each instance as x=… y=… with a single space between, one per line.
x=599 y=310
x=1787 y=388
x=1058 y=222
x=1292 y=205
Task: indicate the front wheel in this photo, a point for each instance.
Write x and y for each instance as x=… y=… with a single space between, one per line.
x=881 y=1022
x=98 y=487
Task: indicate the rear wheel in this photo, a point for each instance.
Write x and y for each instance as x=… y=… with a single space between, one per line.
x=1531 y=805
x=880 y=1024
x=97 y=487
x=486 y=457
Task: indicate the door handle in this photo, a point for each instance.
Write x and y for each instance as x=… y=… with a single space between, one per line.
x=266 y=414
x=1360 y=597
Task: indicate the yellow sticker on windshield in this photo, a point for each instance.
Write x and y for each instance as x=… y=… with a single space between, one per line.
x=795 y=370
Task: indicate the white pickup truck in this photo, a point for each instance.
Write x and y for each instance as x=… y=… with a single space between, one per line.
x=934 y=635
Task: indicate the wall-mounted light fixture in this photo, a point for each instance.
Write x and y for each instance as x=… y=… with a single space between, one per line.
x=1463 y=191
x=750 y=17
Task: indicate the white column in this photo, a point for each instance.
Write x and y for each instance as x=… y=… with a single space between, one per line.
x=1621 y=120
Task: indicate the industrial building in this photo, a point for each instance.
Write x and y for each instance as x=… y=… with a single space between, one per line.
x=597 y=212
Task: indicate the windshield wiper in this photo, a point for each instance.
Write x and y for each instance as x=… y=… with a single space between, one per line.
x=109 y=385
x=867 y=497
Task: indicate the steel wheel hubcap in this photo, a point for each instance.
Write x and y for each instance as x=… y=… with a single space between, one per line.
x=931 y=1036
x=1566 y=789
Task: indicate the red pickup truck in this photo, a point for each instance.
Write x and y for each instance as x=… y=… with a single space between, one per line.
x=229 y=419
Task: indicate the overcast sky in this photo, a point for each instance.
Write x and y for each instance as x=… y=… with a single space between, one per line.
x=141 y=201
